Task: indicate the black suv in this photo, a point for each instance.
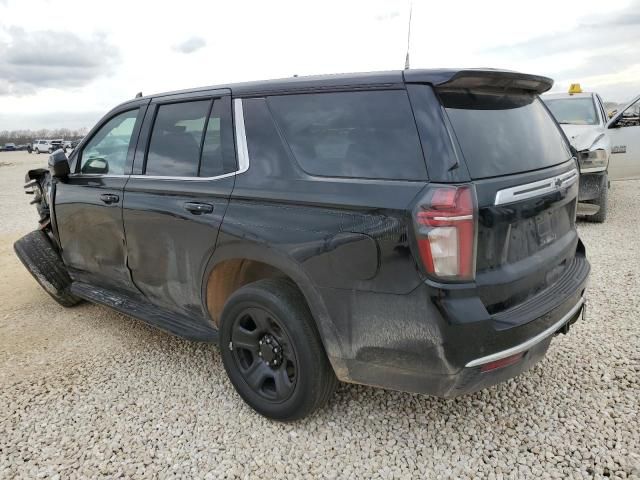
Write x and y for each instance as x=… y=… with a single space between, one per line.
x=413 y=230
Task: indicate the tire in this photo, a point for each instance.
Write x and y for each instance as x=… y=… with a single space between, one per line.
x=37 y=150
x=37 y=254
x=602 y=201
x=268 y=339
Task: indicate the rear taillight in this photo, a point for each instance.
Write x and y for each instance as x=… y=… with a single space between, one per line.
x=445 y=222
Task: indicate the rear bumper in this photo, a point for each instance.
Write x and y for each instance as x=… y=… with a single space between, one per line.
x=420 y=343
x=570 y=317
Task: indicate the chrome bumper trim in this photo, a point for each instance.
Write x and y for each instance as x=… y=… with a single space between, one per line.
x=531 y=342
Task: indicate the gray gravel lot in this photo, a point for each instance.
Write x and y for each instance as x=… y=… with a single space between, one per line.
x=87 y=392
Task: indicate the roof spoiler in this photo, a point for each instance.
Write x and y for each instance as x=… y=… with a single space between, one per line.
x=481 y=78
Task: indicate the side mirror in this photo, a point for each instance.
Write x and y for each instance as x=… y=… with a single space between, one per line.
x=96 y=165
x=59 y=165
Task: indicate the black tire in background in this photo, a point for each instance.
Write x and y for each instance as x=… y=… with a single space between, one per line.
x=272 y=351
x=37 y=254
x=602 y=201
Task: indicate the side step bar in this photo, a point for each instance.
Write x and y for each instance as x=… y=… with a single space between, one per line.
x=180 y=325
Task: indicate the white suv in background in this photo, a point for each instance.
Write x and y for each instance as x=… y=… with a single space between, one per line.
x=47 y=146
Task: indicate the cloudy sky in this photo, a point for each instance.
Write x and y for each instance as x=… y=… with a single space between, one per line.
x=64 y=63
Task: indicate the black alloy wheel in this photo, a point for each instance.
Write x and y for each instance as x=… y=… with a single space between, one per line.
x=264 y=354
x=272 y=351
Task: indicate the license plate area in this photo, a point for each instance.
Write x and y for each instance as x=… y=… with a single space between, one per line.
x=545 y=228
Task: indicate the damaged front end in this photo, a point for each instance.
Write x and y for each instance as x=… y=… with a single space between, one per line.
x=38 y=182
x=39 y=251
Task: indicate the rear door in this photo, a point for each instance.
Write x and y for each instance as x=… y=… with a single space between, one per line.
x=176 y=199
x=624 y=132
x=88 y=206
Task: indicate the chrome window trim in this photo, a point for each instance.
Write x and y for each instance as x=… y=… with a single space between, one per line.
x=242 y=154
x=531 y=342
x=241 y=136
x=534 y=189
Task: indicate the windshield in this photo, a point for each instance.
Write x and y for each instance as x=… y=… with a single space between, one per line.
x=573 y=111
x=504 y=133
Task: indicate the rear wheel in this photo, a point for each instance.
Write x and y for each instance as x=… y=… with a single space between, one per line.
x=43 y=262
x=272 y=351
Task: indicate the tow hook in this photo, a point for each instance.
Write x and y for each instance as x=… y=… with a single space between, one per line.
x=565 y=328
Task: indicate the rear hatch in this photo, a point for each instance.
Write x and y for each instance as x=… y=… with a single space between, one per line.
x=525 y=181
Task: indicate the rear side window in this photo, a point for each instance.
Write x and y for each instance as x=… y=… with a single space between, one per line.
x=218 y=151
x=502 y=133
x=174 y=149
x=352 y=134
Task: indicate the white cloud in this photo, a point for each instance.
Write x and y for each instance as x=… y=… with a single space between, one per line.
x=252 y=40
x=46 y=58
x=190 y=45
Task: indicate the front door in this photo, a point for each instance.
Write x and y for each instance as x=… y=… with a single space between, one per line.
x=88 y=206
x=624 y=132
x=176 y=199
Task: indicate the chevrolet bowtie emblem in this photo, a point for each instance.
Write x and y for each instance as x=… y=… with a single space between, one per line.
x=558 y=182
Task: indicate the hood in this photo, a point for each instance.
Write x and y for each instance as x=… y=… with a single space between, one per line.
x=583 y=137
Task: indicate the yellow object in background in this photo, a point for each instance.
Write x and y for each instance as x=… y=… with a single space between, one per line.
x=575 y=88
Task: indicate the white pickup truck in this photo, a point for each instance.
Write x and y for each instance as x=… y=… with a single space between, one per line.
x=607 y=149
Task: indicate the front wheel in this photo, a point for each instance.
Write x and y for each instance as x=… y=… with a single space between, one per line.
x=602 y=201
x=37 y=151
x=37 y=254
x=272 y=351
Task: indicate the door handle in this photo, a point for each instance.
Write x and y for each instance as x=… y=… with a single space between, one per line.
x=109 y=198
x=198 y=208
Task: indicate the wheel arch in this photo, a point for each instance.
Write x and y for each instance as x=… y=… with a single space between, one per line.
x=233 y=266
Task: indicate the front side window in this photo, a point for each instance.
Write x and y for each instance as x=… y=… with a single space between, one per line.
x=106 y=152
x=352 y=134
x=573 y=111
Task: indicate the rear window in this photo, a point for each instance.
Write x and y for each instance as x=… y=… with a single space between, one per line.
x=502 y=134
x=352 y=134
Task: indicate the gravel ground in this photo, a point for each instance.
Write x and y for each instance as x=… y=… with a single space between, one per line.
x=87 y=392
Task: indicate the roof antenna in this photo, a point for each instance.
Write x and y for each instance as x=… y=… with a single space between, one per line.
x=139 y=94
x=406 y=61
